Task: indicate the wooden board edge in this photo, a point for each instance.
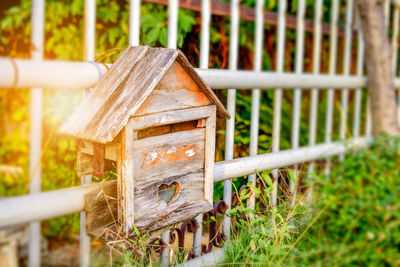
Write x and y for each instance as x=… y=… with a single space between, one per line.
x=169 y=117
x=209 y=155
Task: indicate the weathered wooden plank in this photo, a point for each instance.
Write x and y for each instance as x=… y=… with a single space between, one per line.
x=171 y=158
x=169 y=117
x=101 y=208
x=152 y=161
x=127 y=188
x=119 y=179
x=209 y=158
x=149 y=206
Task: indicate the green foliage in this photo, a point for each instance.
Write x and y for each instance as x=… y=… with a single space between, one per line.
x=262 y=237
x=361 y=226
x=353 y=219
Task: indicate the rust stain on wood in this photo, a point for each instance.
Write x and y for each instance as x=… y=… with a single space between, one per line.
x=169 y=154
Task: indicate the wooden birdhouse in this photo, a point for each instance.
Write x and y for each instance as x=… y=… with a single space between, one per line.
x=153 y=118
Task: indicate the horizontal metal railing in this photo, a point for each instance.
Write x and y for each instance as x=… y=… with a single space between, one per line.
x=78 y=75
x=34 y=207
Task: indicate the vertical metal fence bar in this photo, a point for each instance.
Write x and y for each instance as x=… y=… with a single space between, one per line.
x=35 y=131
x=314 y=92
x=255 y=97
x=297 y=92
x=204 y=59
x=368 y=124
x=205 y=34
x=90 y=29
x=360 y=67
x=346 y=70
x=173 y=8
x=89 y=52
x=386 y=12
x=332 y=71
x=231 y=103
x=395 y=40
x=134 y=22
x=276 y=127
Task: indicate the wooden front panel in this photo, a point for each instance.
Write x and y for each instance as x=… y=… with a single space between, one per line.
x=165 y=159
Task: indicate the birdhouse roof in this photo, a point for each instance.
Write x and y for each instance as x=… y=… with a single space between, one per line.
x=123 y=89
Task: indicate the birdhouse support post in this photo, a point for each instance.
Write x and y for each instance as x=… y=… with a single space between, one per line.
x=125 y=179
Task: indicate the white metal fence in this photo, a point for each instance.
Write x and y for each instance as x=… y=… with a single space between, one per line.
x=36 y=73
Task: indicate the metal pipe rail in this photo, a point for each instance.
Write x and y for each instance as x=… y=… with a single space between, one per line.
x=21 y=73
x=14 y=210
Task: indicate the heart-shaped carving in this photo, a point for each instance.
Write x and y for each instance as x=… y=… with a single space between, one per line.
x=168 y=193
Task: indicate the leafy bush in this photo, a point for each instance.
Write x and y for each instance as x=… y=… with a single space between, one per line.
x=355 y=219
x=360 y=225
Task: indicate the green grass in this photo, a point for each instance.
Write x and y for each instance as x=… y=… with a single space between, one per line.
x=352 y=220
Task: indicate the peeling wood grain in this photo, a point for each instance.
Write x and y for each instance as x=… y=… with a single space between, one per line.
x=169 y=154
x=180 y=167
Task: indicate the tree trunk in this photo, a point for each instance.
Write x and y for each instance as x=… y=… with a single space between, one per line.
x=379 y=67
